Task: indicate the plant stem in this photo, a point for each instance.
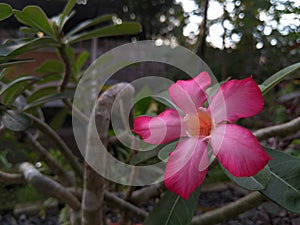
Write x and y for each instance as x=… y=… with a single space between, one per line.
x=67 y=67
x=230 y=210
x=146 y=193
x=62 y=146
x=11 y=178
x=280 y=130
x=65 y=80
x=47 y=186
x=51 y=163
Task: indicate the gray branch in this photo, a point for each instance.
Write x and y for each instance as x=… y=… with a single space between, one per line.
x=11 y=178
x=280 y=130
x=47 y=186
x=230 y=210
x=58 y=141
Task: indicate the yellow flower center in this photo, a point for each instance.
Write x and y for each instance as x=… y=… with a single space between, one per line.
x=199 y=124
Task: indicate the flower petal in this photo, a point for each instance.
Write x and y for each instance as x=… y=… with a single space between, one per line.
x=236 y=99
x=238 y=150
x=182 y=174
x=189 y=95
x=164 y=128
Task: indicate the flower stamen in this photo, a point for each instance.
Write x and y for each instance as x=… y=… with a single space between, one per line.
x=199 y=124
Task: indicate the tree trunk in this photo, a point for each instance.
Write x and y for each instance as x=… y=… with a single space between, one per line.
x=93 y=193
x=203 y=32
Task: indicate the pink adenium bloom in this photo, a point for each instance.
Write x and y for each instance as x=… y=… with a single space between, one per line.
x=235 y=147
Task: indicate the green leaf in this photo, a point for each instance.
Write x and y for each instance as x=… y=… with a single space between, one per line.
x=18 y=47
x=126 y=28
x=5 y=11
x=88 y=23
x=142 y=103
x=284 y=185
x=16 y=121
x=49 y=98
x=58 y=120
x=11 y=90
x=268 y=84
x=68 y=8
x=72 y=57
x=34 y=17
x=50 y=78
x=253 y=183
x=143 y=156
x=52 y=66
x=173 y=210
x=42 y=92
x=15 y=62
x=29 y=30
x=166 y=150
x=3 y=73
x=164 y=98
x=82 y=58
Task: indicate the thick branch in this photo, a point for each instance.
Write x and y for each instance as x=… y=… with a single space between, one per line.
x=203 y=30
x=62 y=146
x=146 y=193
x=126 y=207
x=47 y=186
x=11 y=178
x=280 y=130
x=230 y=210
x=93 y=182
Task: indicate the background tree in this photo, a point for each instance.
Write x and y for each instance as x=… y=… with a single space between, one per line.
x=253 y=33
x=160 y=19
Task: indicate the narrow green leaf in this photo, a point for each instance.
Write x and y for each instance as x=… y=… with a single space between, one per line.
x=58 y=120
x=52 y=66
x=284 y=185
x=143 y=156
x=11 y=90
x=72 y=57
x=35 y=17
x=126 y=28
x=49 y=98
x=49 y=78
x=5 y=11
x=142 y=101
x=41 y=93
x=253 y=183
x=173 y=210
x=18 y=47
x=88 y=23
x=164 y=98
x=16 y=121
x=268 y=84
x=15 y=62
x=166 y=150
x=29 y=30
x=82 y=58
x=59 y=27
x=3 y=73
x=68 y=8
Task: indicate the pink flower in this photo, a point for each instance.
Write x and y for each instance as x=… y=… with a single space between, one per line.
x=234 y=146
